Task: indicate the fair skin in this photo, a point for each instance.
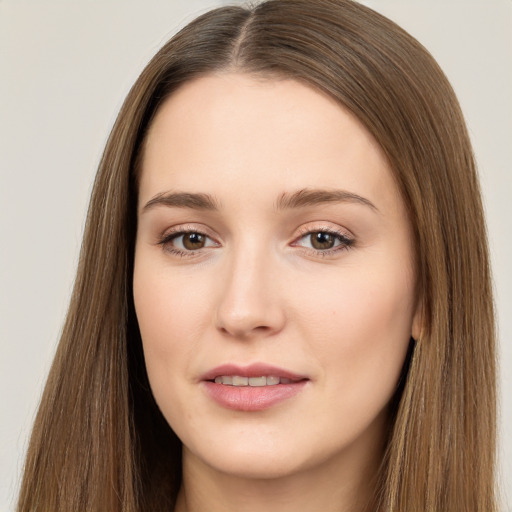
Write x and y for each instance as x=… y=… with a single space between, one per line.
x=318 y=285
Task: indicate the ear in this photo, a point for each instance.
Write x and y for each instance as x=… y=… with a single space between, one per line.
x=418 y=320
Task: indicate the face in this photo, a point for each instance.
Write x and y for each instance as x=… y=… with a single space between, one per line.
x=274 y=281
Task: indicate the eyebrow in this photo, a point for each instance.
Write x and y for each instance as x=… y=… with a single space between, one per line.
x=313 y=197
x=300 y=199
x=183 y=200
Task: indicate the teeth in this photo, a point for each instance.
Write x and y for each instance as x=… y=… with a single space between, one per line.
x=224 y=380
x=240 y=381
x=236 y=380
x=257 y=381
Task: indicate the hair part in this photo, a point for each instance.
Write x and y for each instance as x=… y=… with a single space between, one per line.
x=99 y=441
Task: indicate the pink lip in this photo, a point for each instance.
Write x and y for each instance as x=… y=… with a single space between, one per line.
x=253 y=370
x=248 y=398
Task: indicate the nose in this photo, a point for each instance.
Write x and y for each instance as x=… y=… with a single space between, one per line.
x=250 y=301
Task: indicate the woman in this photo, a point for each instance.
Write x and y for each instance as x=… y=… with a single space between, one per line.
x=279 y=301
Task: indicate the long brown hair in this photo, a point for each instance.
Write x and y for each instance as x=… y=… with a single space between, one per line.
x=99 y=442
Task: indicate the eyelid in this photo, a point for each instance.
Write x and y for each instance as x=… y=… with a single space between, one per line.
x=346 y=237
x=328 y=227
x=165 y=239
x=324 y=226
x=181 y=229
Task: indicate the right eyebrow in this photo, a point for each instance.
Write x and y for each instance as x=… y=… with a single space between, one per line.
x=182 y=200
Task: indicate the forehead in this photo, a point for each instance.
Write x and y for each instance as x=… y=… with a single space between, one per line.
x=256 y=137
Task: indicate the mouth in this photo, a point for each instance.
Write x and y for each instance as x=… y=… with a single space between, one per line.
x=256 y=382
x=251 y=388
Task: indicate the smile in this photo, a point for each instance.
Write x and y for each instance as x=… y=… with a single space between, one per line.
x=238 y=380
x=256 y=387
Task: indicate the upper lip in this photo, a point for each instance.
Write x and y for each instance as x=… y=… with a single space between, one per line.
x=252 y=370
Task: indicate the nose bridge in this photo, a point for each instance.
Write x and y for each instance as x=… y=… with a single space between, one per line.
x=248 y=301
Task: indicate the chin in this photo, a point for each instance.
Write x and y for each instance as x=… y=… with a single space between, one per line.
x=250 y=460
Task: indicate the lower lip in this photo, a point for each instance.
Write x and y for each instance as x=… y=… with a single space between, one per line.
x=249 y=398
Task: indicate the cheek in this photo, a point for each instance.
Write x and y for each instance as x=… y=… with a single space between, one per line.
x=359 y=326
x=167 y=310
x=357 y=304
x=167 y=301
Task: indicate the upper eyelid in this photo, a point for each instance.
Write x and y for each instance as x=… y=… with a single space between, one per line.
x=182 y=229
x=301 y=231
x=307 y=231
x=334 y=229
x=349 y=240
x=169 y=236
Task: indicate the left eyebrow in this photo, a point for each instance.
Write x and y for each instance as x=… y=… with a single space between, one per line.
x=312 y=197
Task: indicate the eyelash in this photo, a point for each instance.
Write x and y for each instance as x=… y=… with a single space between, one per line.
x=169 y=237
x=345 y=242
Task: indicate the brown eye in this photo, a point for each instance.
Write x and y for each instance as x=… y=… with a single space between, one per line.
x=187 y=242
x=322 y=240
x=193 y=241
x=326 y=242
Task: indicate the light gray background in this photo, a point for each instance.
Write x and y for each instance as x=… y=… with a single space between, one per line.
x=65 y=67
